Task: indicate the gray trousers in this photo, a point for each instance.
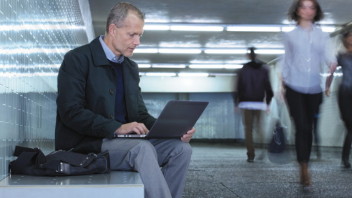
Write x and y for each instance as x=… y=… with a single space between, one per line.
x=162 y=163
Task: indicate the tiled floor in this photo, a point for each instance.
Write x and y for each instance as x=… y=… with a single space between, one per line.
x=221 y=171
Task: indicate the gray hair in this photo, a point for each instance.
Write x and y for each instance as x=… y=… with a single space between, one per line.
x=119 y=12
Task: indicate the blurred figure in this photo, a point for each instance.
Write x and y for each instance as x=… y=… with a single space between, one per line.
x=306 y=49
x=254 y=95
x=345 y=94
x=316 y=135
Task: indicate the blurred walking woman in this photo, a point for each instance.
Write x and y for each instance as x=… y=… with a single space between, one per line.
x=345 y=94
x=306 y=51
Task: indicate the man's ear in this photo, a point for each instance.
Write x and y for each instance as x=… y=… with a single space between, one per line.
x=112 y=28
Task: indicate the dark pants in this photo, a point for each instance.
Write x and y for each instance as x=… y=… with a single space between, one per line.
x=303 y=108
x=345 y=105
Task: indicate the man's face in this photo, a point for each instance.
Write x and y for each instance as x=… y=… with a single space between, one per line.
x=126 y=38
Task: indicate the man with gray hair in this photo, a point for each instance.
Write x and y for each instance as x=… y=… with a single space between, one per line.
x=99 y=98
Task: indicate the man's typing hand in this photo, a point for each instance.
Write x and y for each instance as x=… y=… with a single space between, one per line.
x=133 y=127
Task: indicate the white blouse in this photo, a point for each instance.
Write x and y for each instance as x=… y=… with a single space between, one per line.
x=306 y=52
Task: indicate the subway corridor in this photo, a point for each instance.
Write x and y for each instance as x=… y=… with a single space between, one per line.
x=220 y=170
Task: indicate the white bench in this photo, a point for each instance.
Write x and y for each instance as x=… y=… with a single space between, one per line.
x=114 y=184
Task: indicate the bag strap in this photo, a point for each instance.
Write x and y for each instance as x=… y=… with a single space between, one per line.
x=73 y=158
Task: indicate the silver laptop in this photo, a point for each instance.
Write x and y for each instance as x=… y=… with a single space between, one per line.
x=175 y=120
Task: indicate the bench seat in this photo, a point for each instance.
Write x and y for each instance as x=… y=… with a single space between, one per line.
x=114 y=184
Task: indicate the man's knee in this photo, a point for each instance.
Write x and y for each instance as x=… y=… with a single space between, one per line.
x=185 y=149
x=145 y=147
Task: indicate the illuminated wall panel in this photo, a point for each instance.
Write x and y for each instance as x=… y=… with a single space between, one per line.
x=34 y=36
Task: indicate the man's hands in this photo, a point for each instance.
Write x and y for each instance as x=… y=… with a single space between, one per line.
x=140 y=128
x=188 y=136
x=133 y=127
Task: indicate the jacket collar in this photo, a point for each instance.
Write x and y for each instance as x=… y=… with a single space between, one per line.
x=98 y=54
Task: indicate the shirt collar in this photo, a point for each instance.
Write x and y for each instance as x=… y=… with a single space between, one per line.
x=109 y=54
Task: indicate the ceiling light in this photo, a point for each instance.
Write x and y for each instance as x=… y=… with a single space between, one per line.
x=144 y=65
x=253 y=28
x=214 y=66
x=145 y=51
x=219 y=62
x=287 y=28
x=237 y=61
x=170 y=66
x=328 y=29
x=225 y=51
x=222 y=74
x=194 y=27
x=233 y=66
x=179 y=51
x=192 y=74
x=165 y=74
x=156 y=27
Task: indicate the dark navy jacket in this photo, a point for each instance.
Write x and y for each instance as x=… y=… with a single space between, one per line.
x=253 y=84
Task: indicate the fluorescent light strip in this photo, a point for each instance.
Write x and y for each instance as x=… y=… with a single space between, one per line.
x=157 y=27
x=219 y=62
x=24 y=27
x=179 y=51
x=194 y=74
x=145 y=51
x=162 y=74
x=144 y=65
x=206 y=51
x=237 y=61
x=328 y=29
x=233 y=66
x=170 y=66
x=214 y=66
x=253 y=28
x=222 y=74
x=225 y=51
x=195 y=27
x=218 y=28
x=287 y=28
x=14 y=51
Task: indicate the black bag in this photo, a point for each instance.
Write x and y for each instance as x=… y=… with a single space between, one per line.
x=32 y=161
x=278 y=143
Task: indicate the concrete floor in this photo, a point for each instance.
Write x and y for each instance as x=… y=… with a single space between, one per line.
x=220 y=170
